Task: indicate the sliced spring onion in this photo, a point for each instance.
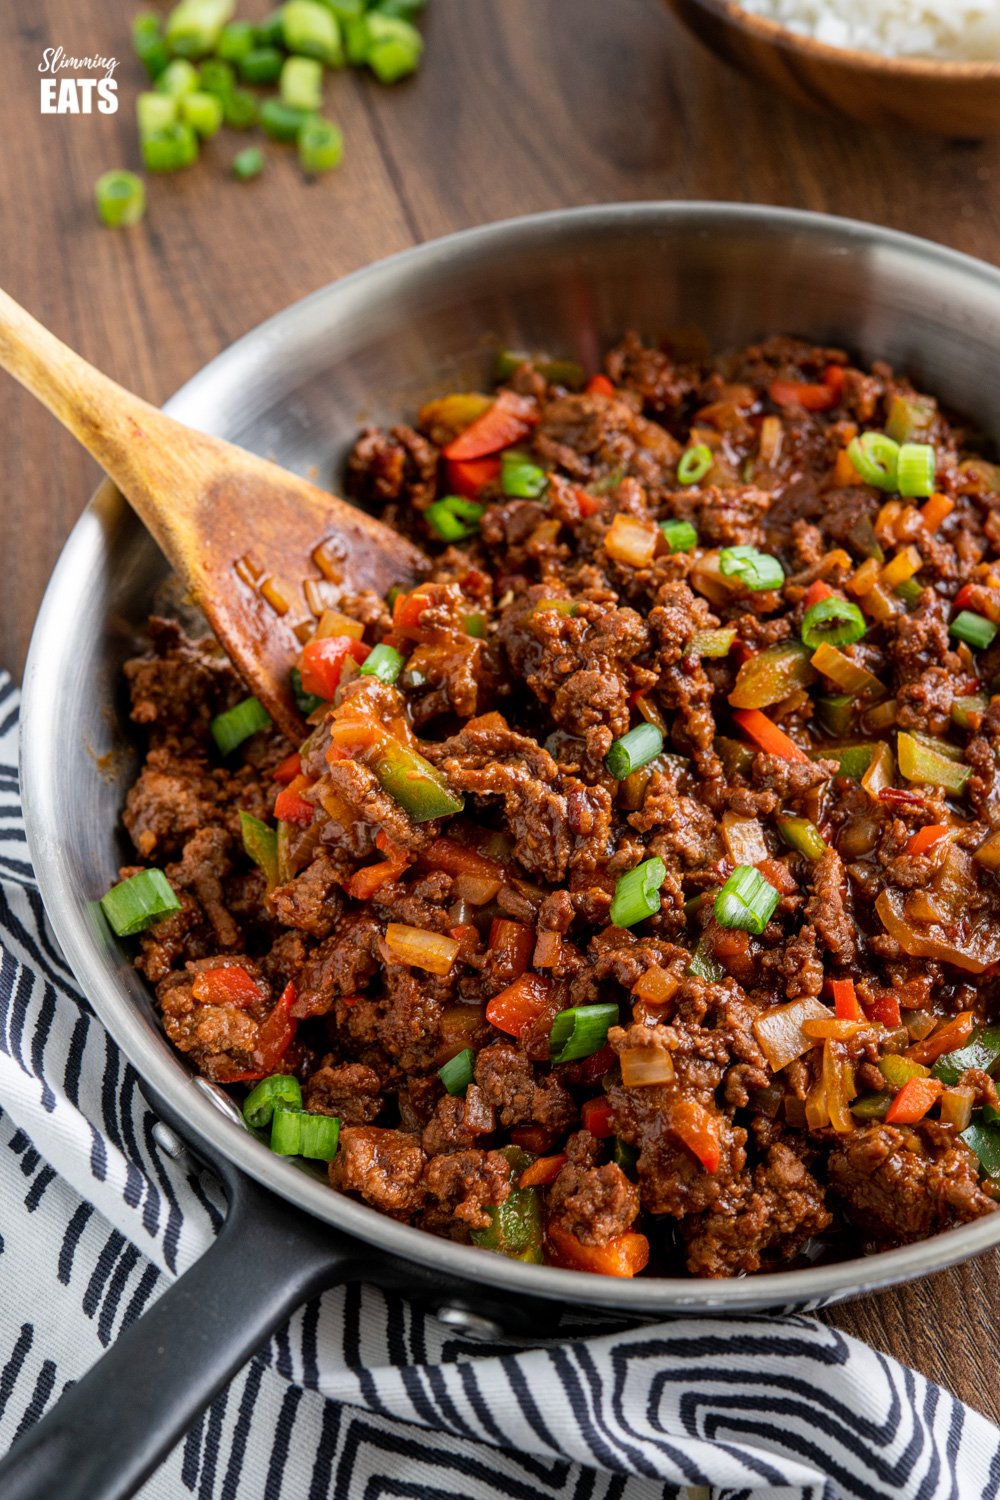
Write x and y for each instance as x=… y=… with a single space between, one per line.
x=915 y=471
x=281 y=1089
x=311 y=30
x=838 y=622
x=804 y=837
x=248 y=163
x=756 y=570
x=194 y=27
x=261 y=843
x=203 y=112
x=520 y=478
x=281 y=121
x=383 y=662
x=457 y=1073
x=154 y=111
x=306 y=703
x=120 y=196
x=301 y=83
x=240 y=109
x=580 y=1032
x=694 y=464
x=746 y=900
x=475 y=625
x=178 y=77
x=236 y=39
x=321 y=146
x=135 y=904
x=217 y=77
x=262 y=65
x=147 y=40
x=454 y=518
x=637 y=748
x=909 y=590
x=294 y=1133
x=680 y=535
x=392 y=46
x=238 y=724
x=975 y=630
x=170 y=149
x=637 y=893
x=875 y=456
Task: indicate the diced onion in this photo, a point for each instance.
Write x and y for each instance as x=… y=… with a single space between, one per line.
x=423 y=949
x=744 y=839
x=631 y=541
x=956 y=1107
x=656 y=986
x=478 y=890
x=642 y=1066
x=779 y=1030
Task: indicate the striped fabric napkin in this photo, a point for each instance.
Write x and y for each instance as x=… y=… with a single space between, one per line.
x=360 y=1396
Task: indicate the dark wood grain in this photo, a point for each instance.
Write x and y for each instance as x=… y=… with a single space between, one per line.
x=517 y=108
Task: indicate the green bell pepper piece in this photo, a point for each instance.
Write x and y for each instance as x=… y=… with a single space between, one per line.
x=982 y=1051
x=516 y=1224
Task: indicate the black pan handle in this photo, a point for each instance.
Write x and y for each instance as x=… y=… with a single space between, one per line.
x=110 y=1430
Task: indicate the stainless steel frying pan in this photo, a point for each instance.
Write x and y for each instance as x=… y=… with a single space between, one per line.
x=369 y=348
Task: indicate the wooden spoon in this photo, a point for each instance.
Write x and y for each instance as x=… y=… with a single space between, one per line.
x=244 y=534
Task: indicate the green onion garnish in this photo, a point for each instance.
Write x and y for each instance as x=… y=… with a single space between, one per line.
x=454 y=518
x=457 y=1073
x=248 y=163
x=135 y=904
x=975 y=630
x=310 y=29
x=520 y=478
x=121 y=196
x=321 y=146
x=680 y=535
x=580 y=1032
x=281 y=1089
x=170 y=149
x=838 y=622
x=147 y=40
x=179 y=77
x=262 y=65
x=236 y=39
x=694 y=464
x=915 y=471
x=294 y=1133
x=756 y=570
x=238 y=724
x=383 y=662
x=802 y=836
x=475 y=625
x=637 y=748
x=240 y=109
x=875 y=456
x=261 y=844
x=154 y=111
x=306 y=703
x=217 y=77
x=194 y=26
x=301 y=83
x=281 y=121
x=271 y=31
x=637 y=893
x=746 y=900
x=203 y=112
x=392 y=46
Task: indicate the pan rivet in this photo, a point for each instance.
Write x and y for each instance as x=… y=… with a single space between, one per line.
x=474 y=1325
x=167 y=1141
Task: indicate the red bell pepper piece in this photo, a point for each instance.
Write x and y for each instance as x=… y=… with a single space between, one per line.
x=512 y=944
x=408 y=608
x=273 y=1040
x=833 y=376
x=543 y=1171
x=231 y=985
x=365 y=882
x=289 y=768
x=600 y=385
x=597 y=1116
x=884 y=1009
x=913 y=1101
x=517 y=1008
x=322 y=662
x=535 y=1138
x=467 y=477
x=802 y=393
x=766 y=734
x=626 y=1255
x=963 y=599
x=698 y=1128
x=925 y=838
x=507 y=421
x=947 y=1038
x=458 y=859
x=291 y=807
x=845 y=1000
x=589 y=504
x=815 y=592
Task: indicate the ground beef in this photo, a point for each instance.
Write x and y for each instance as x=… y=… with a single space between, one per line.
x=385 y=1167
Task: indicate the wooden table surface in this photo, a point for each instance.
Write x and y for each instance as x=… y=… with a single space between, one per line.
x=520 y=105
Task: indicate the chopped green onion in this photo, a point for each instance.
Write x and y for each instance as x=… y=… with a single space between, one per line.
x=194 y=27
x=312 y=30
x=580 y=1032
x=271 y=31
x=746 y=900
x=248 y=163
x=135 y=904
x=915 y=471
x=281 y=122
x=321 y=146
x=179 y=77
x=203 y=112
x=170 y=149
x=294 y=1133
x=457 y=1073
x=680 y=535
x=694 y=464
x=238 y=724
x=520 y=478
x=875 y=458
x=217 y=77
x=405 y=9
x=121 y=198
x=301 y=83
x=637 y=748
x=756 y=570
x=154 y=111
x=454 y=518
x=236 y=39
x=804 y=837
x=306 y=703
x=974 y=629
x=261 y=843
x=393 y=46
x=240 y=110
x=713 y=643
x=281 y=1089
x=637 y=893
x=262 y=65
x=346 y=10
x=836 y=621
x=705 y=965
x=147 y=40
x=383 y=662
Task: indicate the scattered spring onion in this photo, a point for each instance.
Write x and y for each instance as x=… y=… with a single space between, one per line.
x=637 y=893
x=135 y=904
x=121 y=197
x=704 y=965
x=694 y=464
x=637 y=748
x=756 y=570
x=392 y=46
x=248 y=163
x=875 y=457
x=147 y=40
x=203 y=112
x=154 y=111
x=836 y=621
x=236 y=39
x=238 y=724
x=680 y=535
x=915 y=471
x=321 y=146
x=802 y=836
x=170 y=149
x=520 y=478
x=746 y=900
x=457 y=1073
x=295 y=1133
x=383 y=662
x=580 y=1032
x=281 y=1089
x=217 y=77
x=975 y=630
x=301 y=83
x=475 y=625
x=909 y=591
x=261 y=844
x=311 y=30
x=262 y=65
x=194 y=27
x=281 y=121
x=454 y=518
x=240 y=109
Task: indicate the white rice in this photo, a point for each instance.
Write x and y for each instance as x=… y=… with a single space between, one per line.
x=955 y=29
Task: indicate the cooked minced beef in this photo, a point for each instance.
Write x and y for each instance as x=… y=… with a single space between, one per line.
x=704 y=1127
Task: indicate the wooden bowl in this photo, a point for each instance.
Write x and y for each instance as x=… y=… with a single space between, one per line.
x=960 y=99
